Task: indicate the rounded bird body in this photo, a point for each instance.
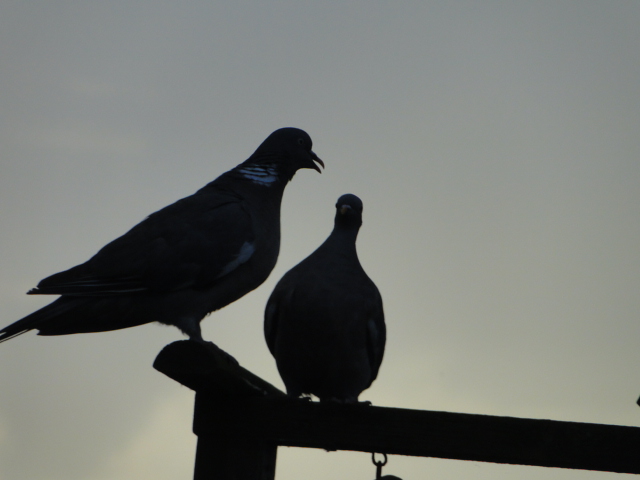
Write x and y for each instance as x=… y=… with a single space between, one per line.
x=186 y=260
x=324 y=321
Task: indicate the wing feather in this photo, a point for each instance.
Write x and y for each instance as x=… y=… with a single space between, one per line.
x=189 y=244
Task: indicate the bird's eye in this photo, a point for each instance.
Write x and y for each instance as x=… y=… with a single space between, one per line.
x=301 y=141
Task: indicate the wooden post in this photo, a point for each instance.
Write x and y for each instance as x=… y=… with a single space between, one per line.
x=240 y=421
x=223 y=453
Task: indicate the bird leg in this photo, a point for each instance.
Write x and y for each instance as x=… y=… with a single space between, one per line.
x=191 y=328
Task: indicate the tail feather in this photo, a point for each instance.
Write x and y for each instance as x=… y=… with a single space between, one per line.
x=38 y=319
x=70 y=314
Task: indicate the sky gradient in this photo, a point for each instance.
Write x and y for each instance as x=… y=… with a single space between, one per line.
x=495 y=146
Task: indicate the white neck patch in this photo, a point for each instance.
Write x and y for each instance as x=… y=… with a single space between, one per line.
x=261 y=174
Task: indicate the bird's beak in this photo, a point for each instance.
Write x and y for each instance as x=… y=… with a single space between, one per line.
x=344 y=209
x=315 y=158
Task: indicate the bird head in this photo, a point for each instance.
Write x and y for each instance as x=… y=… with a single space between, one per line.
x=349 y=210
x=289 y=149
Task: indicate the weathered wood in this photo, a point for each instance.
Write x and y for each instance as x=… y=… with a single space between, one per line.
x=252 y=413
x=201 y=367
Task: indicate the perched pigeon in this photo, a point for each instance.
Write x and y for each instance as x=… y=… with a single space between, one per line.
x=324 y=321
x=188 y=259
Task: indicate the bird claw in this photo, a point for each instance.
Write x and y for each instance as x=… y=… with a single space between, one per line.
x=297 y=397
x=346 y=401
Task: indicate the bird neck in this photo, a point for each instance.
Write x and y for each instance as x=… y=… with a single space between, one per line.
x=253 y=175
x=262 y=172
x=265 y=175
x=343 y=240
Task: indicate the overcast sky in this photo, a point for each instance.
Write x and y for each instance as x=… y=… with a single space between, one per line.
x=495 y=146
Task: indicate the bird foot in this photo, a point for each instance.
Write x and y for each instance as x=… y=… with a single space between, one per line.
x=297 y=397
x=345 y=401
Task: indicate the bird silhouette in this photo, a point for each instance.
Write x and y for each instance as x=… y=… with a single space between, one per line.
x=324 y=322
x=184 y=261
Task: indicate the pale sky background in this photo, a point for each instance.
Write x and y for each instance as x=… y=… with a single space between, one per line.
x=496 y=148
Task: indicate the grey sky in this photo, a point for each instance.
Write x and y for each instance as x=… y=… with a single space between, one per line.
x=494 y=144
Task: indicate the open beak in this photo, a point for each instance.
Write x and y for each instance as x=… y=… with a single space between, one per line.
x=315 y=158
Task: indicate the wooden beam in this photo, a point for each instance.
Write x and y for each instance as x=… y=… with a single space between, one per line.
x=482 y=438
x=246 y=410
x=204 y=367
